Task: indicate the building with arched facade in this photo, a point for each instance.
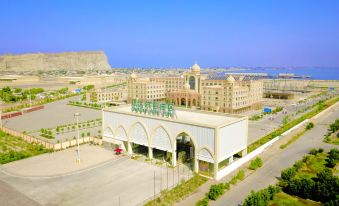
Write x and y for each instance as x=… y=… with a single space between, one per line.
x=213 y=138
x=227 y=93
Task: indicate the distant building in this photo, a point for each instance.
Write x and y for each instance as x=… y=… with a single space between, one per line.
x=144 y=89
x=107 y=95
x=221 y=93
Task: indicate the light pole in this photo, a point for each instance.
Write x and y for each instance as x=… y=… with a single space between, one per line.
x=76 y=115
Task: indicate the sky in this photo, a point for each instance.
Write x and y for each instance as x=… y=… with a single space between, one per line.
x=170 y=33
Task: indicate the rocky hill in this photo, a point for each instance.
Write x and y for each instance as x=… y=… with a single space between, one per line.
x=54 y=61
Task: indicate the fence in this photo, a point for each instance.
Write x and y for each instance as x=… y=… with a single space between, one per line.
x=49 y=145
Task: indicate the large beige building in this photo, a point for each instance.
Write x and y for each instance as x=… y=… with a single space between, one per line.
x=221 y=93
x=144 y=89
x=107 y=95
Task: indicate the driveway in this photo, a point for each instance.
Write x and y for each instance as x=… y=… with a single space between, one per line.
x=124 y=182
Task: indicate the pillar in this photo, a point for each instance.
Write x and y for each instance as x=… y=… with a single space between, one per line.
x=216 y=169
x=150 y=152
x=129 y=148
x=174 y=159
x=244 y=152
x=230 y=160
x=196 y=163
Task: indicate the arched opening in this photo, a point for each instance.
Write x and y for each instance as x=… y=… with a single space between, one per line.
x=162 y=145
x=191 y=82
x=139 y=139
x=206 y=162
x=194 y=102
x=185 y=153
x=120 y=139
x=183 y=102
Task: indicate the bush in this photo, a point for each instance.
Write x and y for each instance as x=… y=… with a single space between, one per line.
x=256 y=163
x=203 y=202
x=320 y=150
x=262 y=197
x=216 y=191
x=333 y=158
x=288 y=173
x=313 y=151
x=309 y=126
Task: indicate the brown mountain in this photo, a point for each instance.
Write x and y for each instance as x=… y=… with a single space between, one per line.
x=55 y=61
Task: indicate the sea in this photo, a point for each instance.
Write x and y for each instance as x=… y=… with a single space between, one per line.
x=324 y=73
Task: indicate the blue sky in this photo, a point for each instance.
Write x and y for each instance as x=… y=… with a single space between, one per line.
x=177 y=33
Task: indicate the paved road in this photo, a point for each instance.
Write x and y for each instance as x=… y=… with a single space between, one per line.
x=278 y=160
x=264 y=126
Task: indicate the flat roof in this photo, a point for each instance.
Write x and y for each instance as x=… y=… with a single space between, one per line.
x=186 y=116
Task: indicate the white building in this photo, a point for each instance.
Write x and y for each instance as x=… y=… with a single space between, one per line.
x=214 y=137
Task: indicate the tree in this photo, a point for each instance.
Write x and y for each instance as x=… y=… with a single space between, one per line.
x=288 y=173
x=83 y=134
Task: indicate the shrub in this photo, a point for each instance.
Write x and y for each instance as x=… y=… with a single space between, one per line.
x=320 y=150
x=203 y=202
x=309 y=126
x=313 y=151
x=256 y=163
x=262 y=197
x=333 y=158
x=288 y=173
x=216 y=191
x=240 y=175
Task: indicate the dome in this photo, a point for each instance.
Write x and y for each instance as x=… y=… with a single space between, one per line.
x=196 y=68
x=133 y=76
x=230 y=78
x=187 y=86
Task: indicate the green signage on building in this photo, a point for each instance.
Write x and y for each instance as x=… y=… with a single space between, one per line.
x=164 y=109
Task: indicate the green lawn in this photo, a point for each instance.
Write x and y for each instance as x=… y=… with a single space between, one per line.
x=313 y=166
x=14 y=148
x=283 y=199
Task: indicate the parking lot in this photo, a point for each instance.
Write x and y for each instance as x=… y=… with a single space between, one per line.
x=54 y=114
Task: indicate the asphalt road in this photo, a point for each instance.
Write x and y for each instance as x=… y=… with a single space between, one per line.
x=278 y=160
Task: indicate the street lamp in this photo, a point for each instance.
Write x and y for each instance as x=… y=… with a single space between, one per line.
x=76 y=115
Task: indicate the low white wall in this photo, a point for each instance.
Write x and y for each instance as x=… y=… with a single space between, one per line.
x=236 y=164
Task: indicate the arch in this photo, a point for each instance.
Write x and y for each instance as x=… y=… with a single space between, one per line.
x=121 y=133
x=194 y=102
x=138 y=134
x=205 y=154
x=191 y=81
x=164 y=141
x=108 y=132
x=183 y=101
x=191 y=137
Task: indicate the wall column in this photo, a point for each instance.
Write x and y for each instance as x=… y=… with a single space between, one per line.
x=129 y=148
x=150 y=152
x=174 y=158
x=244 y=152
x=230 y=160
x=216 y=169
x=196 y=164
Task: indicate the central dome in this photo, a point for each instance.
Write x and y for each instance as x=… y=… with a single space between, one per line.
x=196 y=68
x=133 y=75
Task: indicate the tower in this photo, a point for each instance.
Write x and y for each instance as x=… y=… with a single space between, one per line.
x=193 y=78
